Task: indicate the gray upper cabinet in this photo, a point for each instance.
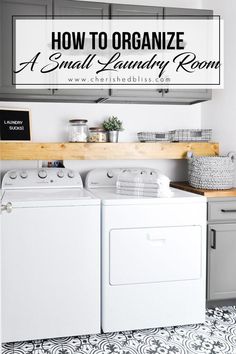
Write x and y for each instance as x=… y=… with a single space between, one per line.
x=88 y=10
x=187 y=96
x=185 y=13
x=9 y=8
x=136 y=11
x=85 y=9
x=43 y=8
x=135 y=95
x=165 y=96
x=221 y=261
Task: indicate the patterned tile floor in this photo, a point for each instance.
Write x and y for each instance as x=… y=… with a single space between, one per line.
x=216 y=336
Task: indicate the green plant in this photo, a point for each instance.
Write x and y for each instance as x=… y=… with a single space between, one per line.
x=112 y=123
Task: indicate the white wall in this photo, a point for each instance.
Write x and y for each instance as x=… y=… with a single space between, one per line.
x=220 y=113
x=49 y=120
x=49 y=123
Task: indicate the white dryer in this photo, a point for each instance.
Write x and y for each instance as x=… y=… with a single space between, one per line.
x=153 y=257
x=50 y=255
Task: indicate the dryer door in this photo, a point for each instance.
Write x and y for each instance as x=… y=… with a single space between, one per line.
x=149 y=255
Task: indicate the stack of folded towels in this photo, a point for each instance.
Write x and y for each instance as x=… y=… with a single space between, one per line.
x=143 y=182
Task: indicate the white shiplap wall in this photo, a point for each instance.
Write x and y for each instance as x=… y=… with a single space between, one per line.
x=219 y=114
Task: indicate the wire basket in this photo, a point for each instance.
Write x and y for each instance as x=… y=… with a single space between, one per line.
x=191 y=135
x=211 y=172
x=154 y=136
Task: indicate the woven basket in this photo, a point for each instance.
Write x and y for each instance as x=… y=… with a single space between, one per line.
x=191 y=134
x=211 y=172
x=154 y=136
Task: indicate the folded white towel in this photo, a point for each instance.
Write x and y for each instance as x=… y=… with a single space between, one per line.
x=142 y=193
x=146 y=176
x=146 y=190
x=158 y=185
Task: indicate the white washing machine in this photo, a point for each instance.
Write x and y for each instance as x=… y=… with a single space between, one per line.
x=153 y=257
x=50 y=255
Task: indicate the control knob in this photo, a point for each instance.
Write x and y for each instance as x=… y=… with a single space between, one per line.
x=109 y=174
x=71 y=174
x=24 y=174
x=60 y=174
x=42 y=174
x=13 y=175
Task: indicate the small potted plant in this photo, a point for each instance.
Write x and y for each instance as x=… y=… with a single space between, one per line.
x=113 y=125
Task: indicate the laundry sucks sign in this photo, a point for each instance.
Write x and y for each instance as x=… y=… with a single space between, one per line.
x=127 y=53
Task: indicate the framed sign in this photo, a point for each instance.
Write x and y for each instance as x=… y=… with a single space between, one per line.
x=15 y=124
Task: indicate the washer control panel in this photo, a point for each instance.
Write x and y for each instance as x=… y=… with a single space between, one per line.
x=42 y=178
x=102 y=177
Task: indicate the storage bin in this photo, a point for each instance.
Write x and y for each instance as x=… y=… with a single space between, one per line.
x=211 y=172
x=191 y=135
x=154 y=136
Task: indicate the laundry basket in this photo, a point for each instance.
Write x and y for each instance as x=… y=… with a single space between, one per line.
x=211 y=172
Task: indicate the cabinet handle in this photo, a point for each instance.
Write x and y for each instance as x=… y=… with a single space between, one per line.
x=166 y=90
x=213 y=243
x=228 y=210
x=160 y=91
x=101 y=100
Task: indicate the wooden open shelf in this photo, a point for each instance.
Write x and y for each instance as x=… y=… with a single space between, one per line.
x=103 y=151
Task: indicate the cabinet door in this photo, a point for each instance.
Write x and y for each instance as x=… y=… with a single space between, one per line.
x=194 y=13
x=134 y=95
x=144 y=96
x=187 y=95
x=136 y=11
x=221 y=261
x=9 y=8
x=87 y=10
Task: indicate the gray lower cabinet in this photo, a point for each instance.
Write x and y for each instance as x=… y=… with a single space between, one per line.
x=221 y=249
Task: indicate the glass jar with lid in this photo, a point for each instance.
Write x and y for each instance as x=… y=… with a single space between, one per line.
x=78 y=131
x=97 y=135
